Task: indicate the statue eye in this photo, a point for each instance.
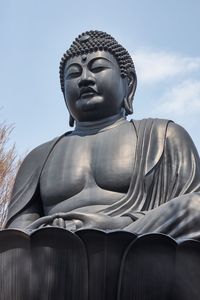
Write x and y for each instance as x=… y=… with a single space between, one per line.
x=98 y=69
x=72 y=75
x=99 y=65
x=72 y=72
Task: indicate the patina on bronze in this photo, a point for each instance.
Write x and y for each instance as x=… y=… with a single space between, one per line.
x=108 y=173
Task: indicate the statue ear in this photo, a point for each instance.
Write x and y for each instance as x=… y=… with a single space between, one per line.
x=71 y=119
x=128 y=100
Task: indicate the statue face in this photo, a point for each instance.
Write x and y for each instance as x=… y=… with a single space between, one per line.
x=94 y=88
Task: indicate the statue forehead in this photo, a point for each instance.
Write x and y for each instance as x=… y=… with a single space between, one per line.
x=85 y=58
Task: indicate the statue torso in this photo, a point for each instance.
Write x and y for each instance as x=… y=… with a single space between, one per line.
x=89 y=170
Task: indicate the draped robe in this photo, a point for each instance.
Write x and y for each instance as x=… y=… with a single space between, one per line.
x=166 y=169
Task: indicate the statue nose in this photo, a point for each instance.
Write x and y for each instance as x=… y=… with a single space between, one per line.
x=86 y=80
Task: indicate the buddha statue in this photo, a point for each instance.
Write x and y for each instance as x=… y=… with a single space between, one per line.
x=108 y=173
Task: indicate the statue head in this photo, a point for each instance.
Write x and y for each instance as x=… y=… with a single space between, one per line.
x=97 y=77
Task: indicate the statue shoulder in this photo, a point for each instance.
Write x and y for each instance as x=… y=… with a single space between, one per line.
x=180 y=139
x=155 y=124
x=165 y=129
x=175 y=130
x=40 y=151
x=159 y=136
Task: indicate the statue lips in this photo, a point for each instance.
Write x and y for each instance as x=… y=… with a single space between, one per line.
x=87 y=92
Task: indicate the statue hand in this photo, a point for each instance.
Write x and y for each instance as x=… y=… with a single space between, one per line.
x=55 y=220
x=97 y=221
x=74 y=221
x=71 y=225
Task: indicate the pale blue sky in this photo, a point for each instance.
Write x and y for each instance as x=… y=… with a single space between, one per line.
x=162 y=36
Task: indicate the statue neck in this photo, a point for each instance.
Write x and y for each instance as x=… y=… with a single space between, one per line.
x=100 y=125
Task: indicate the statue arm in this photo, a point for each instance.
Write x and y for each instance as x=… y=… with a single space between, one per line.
x=27 y=215
x=173 y=193
x=25 y=205
x=176 y=173
x=181 y=163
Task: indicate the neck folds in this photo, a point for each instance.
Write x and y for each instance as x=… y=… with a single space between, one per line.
x=100 y=125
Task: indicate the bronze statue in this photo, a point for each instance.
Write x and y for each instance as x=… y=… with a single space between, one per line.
x=108 y=173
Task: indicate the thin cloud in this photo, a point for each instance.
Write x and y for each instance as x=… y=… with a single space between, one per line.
x=153 y=66
x=183 y=92
x=171 y=82
x=182 y=100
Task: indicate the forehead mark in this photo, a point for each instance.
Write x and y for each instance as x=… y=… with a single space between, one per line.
x=84 y=58
x=91 y=58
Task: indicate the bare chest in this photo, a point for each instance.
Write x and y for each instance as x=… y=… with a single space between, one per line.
x=102 y=161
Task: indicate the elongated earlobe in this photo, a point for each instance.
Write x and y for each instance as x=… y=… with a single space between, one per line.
x=71 y=121
x=128 y=107
x=128 y=99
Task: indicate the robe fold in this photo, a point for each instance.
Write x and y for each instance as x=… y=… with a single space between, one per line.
x=166 y=166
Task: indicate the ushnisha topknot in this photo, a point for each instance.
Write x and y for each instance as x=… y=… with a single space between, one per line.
x=92 y=41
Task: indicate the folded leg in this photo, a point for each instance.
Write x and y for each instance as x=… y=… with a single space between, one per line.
x=178 y=218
